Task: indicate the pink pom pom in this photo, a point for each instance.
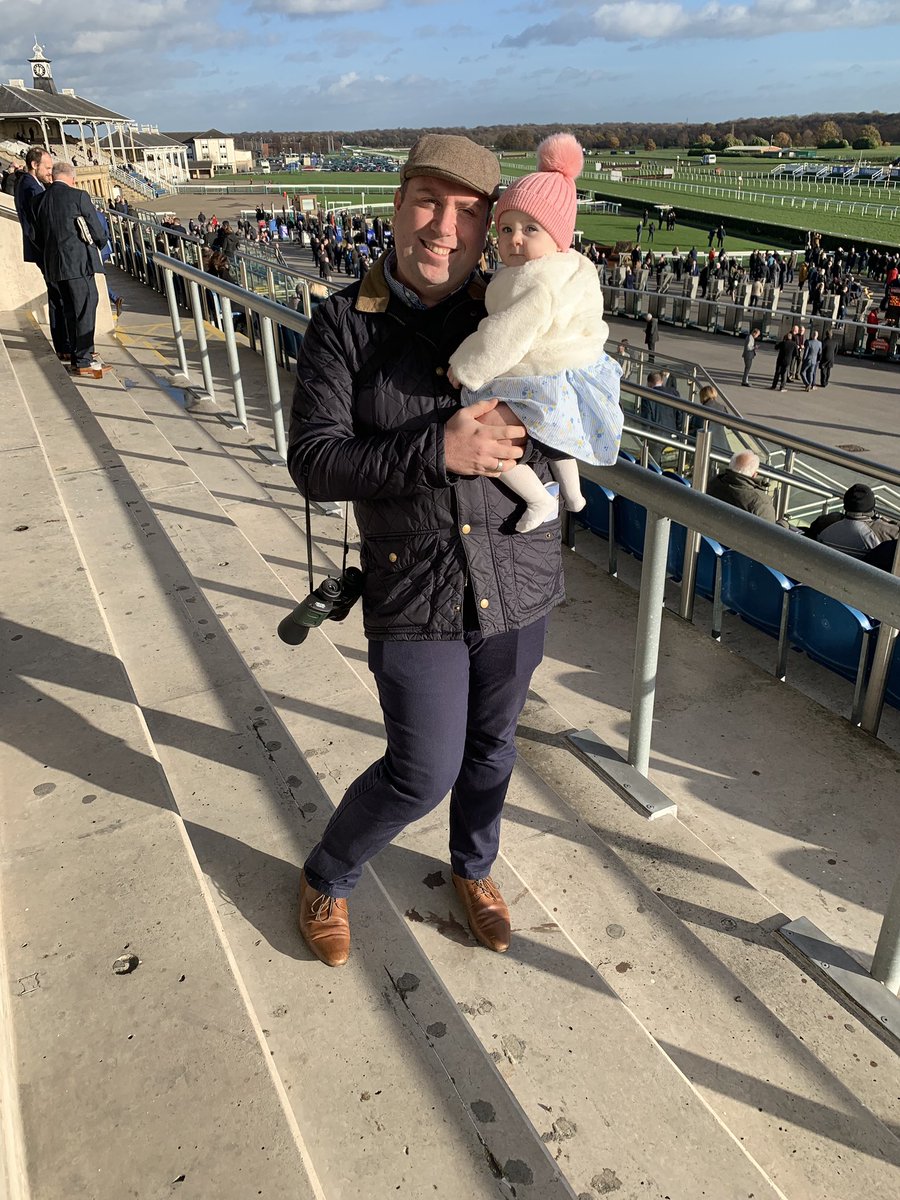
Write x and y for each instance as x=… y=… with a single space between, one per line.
x=560 y=152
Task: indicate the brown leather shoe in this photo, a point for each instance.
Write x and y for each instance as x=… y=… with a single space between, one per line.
x=486 y=911
x=325 y=925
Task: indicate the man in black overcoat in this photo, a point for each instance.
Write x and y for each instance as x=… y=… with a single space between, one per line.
x=69 y=235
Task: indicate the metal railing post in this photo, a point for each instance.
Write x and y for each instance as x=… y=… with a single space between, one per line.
x=205 y=366
x=245 y=284
x=886 y=963
x=274 y=388
x=784 y=492
x=270 y=283
x=881 y=661
x=649 y=624
x=234 y=364
x=692 y=541
x=134 y=262
x=175 y=315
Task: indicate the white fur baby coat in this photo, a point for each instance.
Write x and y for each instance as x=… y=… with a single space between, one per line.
x=540 y=349
x=543 y=318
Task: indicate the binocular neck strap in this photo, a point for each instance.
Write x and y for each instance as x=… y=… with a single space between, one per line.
x=309 y=546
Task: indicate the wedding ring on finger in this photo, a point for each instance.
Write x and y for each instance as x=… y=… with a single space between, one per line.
x=500 y=466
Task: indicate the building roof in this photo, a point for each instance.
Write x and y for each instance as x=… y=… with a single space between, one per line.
x=198 y=137
x=32 y=102
x=154 y=141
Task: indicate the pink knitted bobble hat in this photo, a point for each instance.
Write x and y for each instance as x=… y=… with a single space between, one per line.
x=549 y=194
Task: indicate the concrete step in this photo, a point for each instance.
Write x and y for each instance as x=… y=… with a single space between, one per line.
x=96 y=865
x=710 y=937
x=357 y=1072
x=535 y=1060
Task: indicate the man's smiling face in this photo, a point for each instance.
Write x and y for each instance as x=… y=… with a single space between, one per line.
x=439 y=233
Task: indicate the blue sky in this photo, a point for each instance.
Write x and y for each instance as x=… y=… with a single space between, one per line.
x=352 y=64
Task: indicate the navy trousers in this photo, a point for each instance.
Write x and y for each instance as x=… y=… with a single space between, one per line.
x=79 y=300
x=58 y=333
x=450 y=713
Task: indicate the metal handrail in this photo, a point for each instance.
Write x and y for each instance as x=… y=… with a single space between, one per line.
x=757 y=313
x=271 y=315
x=827 y=570
x=732 y=420
x=847 y=579
x=790 y=441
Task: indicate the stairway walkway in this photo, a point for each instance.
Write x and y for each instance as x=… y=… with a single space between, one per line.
x=645 y=1036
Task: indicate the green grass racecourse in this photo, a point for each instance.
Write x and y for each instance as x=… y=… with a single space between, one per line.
x=596 y=227
x=743 y=189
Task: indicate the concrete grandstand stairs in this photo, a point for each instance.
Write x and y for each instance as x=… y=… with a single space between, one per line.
x=644 y=1036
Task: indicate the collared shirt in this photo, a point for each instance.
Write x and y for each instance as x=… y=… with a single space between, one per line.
x=406 y=295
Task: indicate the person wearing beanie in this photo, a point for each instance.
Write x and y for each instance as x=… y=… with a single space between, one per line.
x=857 y=530
x=540 y=348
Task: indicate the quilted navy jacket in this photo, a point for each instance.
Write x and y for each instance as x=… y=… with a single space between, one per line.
x=369 y=407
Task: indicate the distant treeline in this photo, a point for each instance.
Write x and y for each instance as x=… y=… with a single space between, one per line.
x=814 y=129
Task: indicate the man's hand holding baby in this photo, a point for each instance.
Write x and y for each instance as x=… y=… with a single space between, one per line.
x=483 y=439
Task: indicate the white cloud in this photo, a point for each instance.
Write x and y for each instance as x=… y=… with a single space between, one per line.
x=315 y=8
x=669 y=20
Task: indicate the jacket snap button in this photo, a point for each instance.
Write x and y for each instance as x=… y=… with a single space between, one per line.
x=466 y=529
x=439 y=370
x=485 y=603
x=392 y=558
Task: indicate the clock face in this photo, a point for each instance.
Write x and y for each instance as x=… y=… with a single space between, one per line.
x=40 y=69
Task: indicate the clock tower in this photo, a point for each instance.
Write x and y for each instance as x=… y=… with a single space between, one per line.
x=41 y=74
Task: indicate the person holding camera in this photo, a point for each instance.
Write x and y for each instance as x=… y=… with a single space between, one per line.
x=455 y=601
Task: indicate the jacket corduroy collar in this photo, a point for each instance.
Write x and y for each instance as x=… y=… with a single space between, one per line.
x=374 y=295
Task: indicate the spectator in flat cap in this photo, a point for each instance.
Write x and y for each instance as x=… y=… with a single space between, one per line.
x=455 y=602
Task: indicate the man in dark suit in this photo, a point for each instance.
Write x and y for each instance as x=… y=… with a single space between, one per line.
x=63 y=218
x=787 y=348
x=651 y=336
x=30 y=186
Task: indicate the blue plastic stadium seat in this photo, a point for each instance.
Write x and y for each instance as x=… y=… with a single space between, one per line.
x=709 y=568
x=675 y=561
x=760 y=595
x=834 y=634
x=630 y=525
x=598 y=516
x=892 y=690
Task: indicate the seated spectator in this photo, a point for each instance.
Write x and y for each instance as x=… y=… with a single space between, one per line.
x=656 y=412
x=858 y=529
x=709 y=398
x=882 y=556
x=739 y=484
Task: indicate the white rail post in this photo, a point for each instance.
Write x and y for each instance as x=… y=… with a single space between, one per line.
x=274 y=388
x=646 y=658
x=175 y=316
x=205 y=366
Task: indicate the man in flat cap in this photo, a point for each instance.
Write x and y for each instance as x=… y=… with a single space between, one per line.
x=455 y=602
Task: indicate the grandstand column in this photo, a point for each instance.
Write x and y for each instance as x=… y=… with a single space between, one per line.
x=82 y=142
x=122 y=144
x=62 y=138
x=46 y=137
x=112 y=148
x=97 y=149
x=131 y=143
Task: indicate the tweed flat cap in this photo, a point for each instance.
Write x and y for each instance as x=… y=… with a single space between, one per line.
x=457 y=159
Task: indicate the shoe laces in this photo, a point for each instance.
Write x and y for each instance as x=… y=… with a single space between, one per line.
x=323 y=907
x=485 y=887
